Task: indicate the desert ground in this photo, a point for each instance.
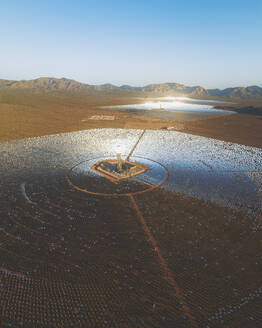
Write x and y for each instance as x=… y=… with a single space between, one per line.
x=31 y=113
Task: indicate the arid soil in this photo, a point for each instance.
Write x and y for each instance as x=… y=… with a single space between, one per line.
x=239 y=128
x=28 y=114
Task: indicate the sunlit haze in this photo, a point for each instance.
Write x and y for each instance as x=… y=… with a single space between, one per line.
x=207 y=43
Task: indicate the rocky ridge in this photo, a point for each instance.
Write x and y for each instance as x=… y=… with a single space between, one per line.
x=162 y=89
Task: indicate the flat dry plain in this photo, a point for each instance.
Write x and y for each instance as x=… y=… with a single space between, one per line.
x=27 y=113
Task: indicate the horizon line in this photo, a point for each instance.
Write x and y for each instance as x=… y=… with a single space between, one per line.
x=125 y=84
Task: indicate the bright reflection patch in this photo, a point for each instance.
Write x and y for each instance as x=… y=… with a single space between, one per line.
x=175 y=104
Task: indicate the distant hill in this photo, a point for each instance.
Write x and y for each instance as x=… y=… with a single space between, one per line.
x=238 y=92
x=44 y=83
x=162 y=89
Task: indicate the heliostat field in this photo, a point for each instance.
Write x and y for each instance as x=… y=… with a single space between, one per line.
x=170 y=237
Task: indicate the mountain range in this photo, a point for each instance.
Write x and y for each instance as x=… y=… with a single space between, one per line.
x=162 y=89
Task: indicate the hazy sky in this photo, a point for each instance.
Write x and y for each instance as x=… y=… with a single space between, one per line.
x=213 y=43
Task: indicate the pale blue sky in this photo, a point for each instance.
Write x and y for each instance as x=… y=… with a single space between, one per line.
x=196 y=42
